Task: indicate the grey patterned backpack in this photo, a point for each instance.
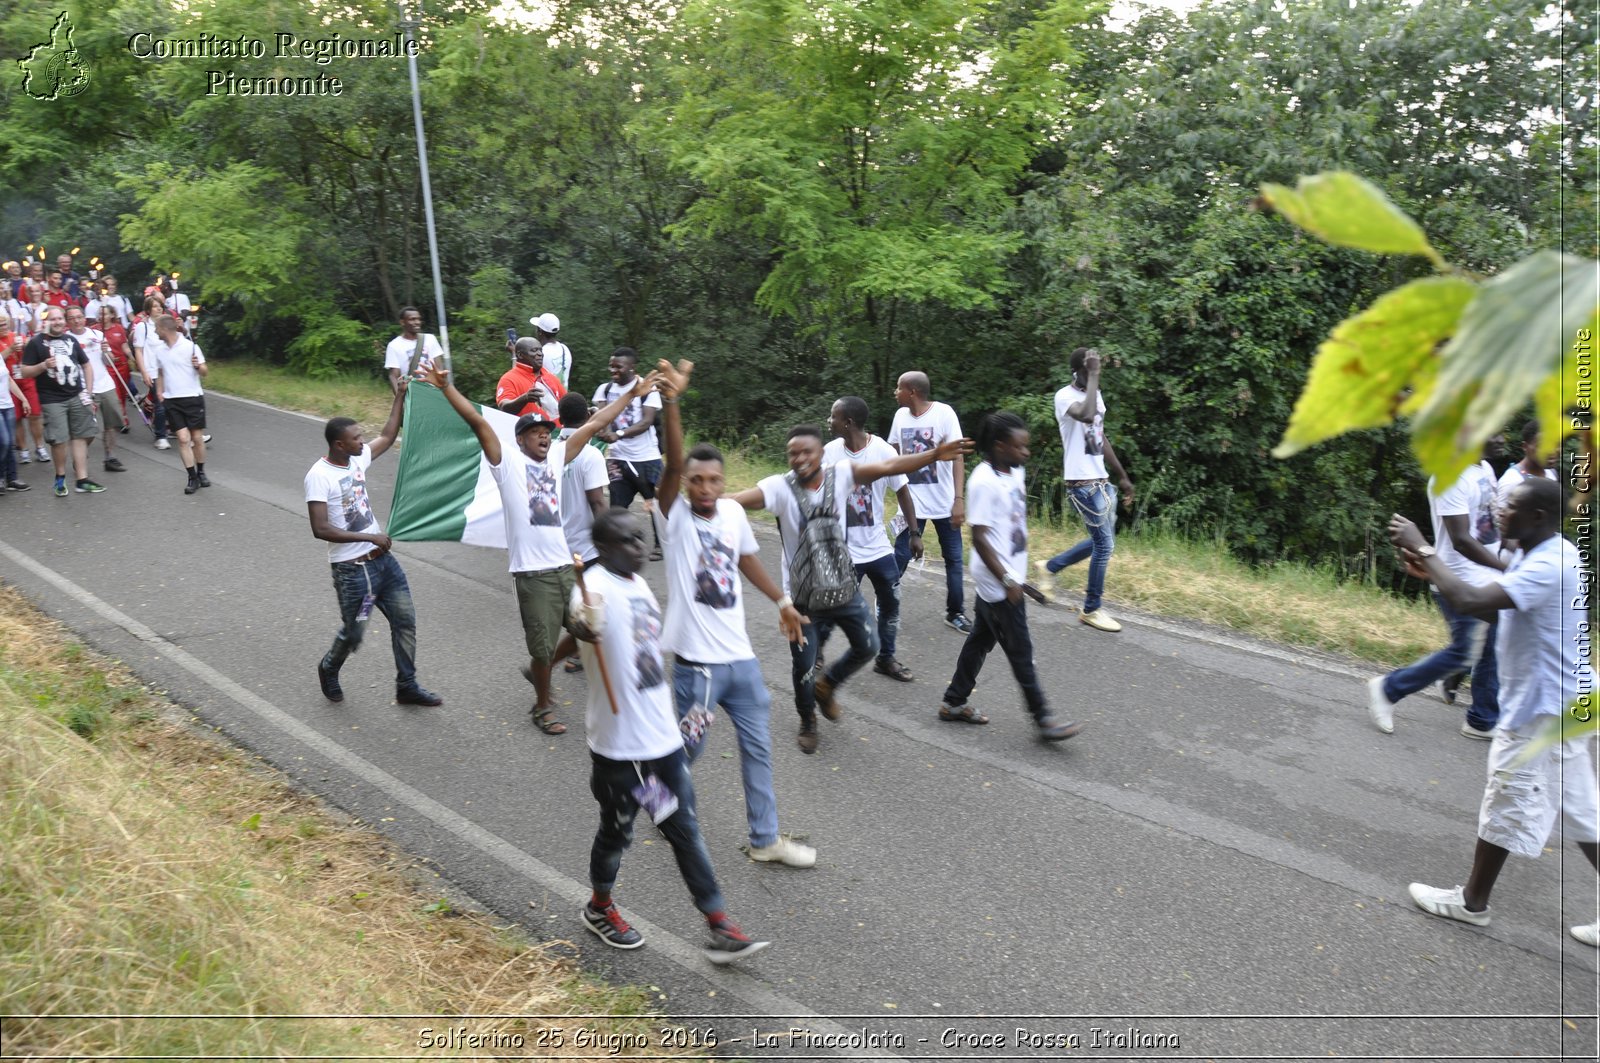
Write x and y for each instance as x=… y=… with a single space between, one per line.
x=821 y=575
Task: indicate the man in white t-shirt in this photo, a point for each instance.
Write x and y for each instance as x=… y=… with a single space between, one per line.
x=366 y=575
x=529 y=480
x=1086 y=455
x=1541 y=601
x=177 y=365
x=920 y=424
x=583 y=490
x=557 y=355
x=997 y=512
x=635 y=746
x=633 y=457
x=105 y=384
x=1530 y=464
x=1467 y=541
x=708 y=544
x=808 y=479
x=870 y=549
x=413 y=351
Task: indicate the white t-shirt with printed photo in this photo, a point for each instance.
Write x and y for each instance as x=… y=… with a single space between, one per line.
x=933 y=487
x=999 y=502
x=642 y=447
x=349 y=507
x=582 y=475
x=558 y=359
x=530 y=495
x=780 y=502
x=400 y=351
x=705 y=600
x=1511 y=479
x=1083 y=445
x=174 y=367
x=1471 y=496
x=94 y=345
x=644 y=727
x=863 y=515
x=1541 y=644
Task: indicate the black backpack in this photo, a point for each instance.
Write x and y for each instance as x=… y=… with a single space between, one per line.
x=821 y=575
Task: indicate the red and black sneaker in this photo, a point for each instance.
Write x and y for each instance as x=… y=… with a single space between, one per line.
x=609 y=926
x=729 y=943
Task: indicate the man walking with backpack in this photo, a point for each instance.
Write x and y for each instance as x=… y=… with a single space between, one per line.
x=810 y=502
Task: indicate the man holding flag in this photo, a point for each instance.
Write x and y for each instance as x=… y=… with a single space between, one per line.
x=528 y=479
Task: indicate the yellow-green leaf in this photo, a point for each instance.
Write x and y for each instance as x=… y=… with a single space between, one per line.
x=1559 y=398
x=1347 y=210
x=1511 y=341
x=1361 y=372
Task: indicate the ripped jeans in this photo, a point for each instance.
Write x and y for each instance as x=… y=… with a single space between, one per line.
x=383 y=578
x=1096 y=503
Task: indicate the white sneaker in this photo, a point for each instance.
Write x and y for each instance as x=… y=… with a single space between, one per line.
x=162 y=444
x=1447 y=903
x=205 y=437
x=785 y=851
x=42 y=454
x=25 y=457
x=1044 y=581
x=1472 y=732
x=1100 y=620
x=1589 y=935
x=1380 y=708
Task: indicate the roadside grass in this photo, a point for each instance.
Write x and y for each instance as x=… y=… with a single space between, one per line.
x=360 y=395
x=145 y=869
x=1156 y=571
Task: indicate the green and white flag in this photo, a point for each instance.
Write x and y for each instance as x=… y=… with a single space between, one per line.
x=444 y=490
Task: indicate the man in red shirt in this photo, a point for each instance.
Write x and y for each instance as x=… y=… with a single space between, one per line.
x=528 y=387
x=54 y=294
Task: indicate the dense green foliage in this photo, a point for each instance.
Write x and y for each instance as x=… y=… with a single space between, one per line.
x=809 y=197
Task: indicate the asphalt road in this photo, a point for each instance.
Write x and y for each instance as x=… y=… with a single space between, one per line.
x=1219 y=861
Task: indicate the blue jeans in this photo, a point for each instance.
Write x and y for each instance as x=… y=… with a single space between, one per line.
x=950 y=546
x=741 y=692
x=856 y=623
x=1006 y=624
x=383 y=578
x=1471 y=647
x=885 y=576
x=612 y=783
x=8 y=439
x=1096 y=503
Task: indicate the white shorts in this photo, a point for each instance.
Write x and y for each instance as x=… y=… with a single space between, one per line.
x=1521 y=801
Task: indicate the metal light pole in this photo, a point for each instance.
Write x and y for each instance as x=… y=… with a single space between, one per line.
x=410 y=26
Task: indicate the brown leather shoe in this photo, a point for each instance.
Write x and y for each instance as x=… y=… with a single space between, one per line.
x=807 y=738
x=825 y=699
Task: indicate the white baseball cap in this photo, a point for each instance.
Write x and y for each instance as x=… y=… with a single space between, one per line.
x=546 y=323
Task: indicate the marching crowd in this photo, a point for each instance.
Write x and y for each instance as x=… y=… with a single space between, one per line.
x=1501 y=569
x=75 y=350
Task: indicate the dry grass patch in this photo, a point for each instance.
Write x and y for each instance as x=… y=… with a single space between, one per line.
x=146 y=869
x=360 y=395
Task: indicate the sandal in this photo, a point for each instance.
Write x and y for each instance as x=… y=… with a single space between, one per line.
x=893 y=669
x=655 y=555
x=965 y=714
x=543 y=720
x=572 y=666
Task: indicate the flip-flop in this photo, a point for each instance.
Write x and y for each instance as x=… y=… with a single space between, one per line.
x=965 y=714
x=572 y=666
x=542 y=720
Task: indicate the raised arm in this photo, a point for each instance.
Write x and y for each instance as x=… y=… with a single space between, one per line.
x=1484 y=602
x=458 y=402
x=868 y=471
x=674 y=381
x=391 y=427
x=608 y=413
x=750 y=498
x=1085 y=408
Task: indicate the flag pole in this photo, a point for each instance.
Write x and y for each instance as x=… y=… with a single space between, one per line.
x=410 y=25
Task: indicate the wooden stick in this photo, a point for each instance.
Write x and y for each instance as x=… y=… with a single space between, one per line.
x=599 y=653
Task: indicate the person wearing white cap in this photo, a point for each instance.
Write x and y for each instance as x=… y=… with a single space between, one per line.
x=557 y=356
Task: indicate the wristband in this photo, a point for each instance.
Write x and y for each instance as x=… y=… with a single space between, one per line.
x=784 y=602
x=670 y=402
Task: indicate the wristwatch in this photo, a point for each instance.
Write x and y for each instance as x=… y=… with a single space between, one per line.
x=1007 y=582
x=1425 y=552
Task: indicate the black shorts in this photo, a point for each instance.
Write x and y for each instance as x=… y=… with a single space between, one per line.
x=187 y=412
